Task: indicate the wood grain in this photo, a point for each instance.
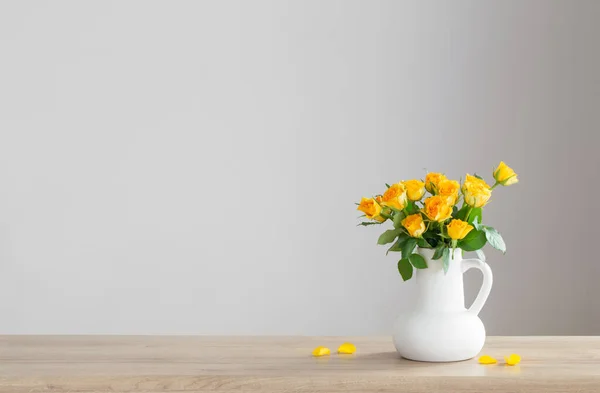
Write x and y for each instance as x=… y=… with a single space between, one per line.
x=275 y=364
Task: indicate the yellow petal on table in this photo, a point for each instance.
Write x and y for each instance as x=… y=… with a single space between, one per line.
x=512 y=360
x=321 y=351
x=486 y=359
x=347 y=348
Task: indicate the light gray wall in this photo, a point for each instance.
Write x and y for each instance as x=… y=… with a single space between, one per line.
x=191 y=167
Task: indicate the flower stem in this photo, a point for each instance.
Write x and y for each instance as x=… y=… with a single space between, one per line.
x=494 y=186
x=468 y=213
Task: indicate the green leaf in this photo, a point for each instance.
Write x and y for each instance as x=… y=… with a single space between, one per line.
x=495 y=239
x=446 y=259
x=475 y=213
x=405 y=269
x=439 y=251
x=398 y=245
x=411 y=208
x=477 y=224
x=408 y=247
x=387 y=185
x=398 y=217
x=473 y=241
x=477 y=176
x=367 y=223
x=383 y=214
x=421 y=242
x=454 y=210
x=417 y=261
x=431 y=240
x=462 y=212
x=480 y=255
x=388 y=236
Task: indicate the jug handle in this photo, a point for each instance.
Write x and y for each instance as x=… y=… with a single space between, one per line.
x=486 y=286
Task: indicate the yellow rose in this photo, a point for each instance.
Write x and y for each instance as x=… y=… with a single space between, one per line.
x=458 y=229
x=394 y=197
x=414 y=189
x=437 y=208
x=371 y=209
x=414 y=225
x=505 y=175
x=476 y=191
x=475 y=180
x=432 y=180
x=449 y=190
x=385 y=211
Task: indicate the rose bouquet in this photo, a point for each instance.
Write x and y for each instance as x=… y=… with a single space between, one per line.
x=437 y=222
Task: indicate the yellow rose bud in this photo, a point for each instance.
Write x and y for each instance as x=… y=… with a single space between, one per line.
x=415 y=189
x=385 y=211
x=505 y=175
x=432 y=180
x=437 y=208
x=449 y=190
x=477 y=196
x=458 y=229
x=474 y=180
x=371 y=209
x=394 y=197
x=414 y=225
x=476 y=191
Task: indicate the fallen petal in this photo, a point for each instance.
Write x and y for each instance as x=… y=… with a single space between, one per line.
x=347 y=348
x=321 y=351
x=486 y=359
x=512 y=360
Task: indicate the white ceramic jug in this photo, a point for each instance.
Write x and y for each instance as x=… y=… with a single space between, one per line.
x=439 y=328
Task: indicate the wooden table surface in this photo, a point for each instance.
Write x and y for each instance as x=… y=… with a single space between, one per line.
x=275 y=364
